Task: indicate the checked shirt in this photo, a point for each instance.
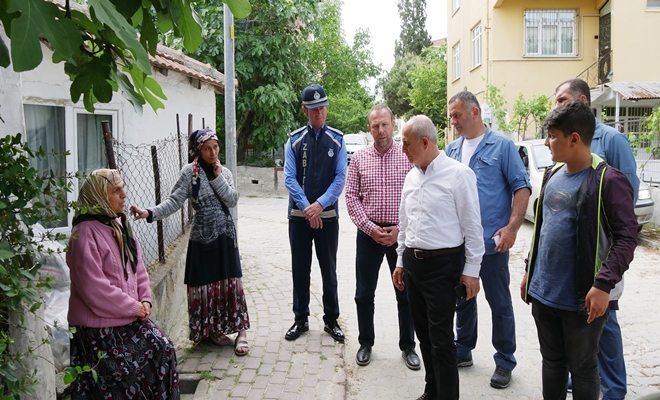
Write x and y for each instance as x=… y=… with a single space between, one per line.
x=373 y=186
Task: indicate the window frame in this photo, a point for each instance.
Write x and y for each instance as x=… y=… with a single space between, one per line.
x=558 y=33
x=71 y=145
x=456 y=61
x=455 y=6
x=476 y=42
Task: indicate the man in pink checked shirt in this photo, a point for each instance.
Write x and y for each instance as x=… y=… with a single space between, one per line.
x=373 y=191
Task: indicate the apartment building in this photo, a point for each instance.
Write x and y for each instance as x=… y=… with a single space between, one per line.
x=528 y=47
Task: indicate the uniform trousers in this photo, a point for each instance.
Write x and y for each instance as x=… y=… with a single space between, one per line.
x=301 y=236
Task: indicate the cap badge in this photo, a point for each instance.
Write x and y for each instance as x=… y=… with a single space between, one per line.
x=317 y=95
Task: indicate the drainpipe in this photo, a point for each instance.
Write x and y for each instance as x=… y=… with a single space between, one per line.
x=617 y=105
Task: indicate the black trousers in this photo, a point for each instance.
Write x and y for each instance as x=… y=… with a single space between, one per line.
x=430 y=284
x=325 y=241
x=568 y=343
x=368 y=258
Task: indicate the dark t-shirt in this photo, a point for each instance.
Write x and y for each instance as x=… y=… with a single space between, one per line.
x=553 y=282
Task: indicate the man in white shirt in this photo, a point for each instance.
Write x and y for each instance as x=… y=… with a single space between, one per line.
x=440 y=248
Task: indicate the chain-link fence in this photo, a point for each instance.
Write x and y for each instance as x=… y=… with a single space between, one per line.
x=150 y=172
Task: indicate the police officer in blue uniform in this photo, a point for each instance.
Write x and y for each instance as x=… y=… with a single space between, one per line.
x=314 y=175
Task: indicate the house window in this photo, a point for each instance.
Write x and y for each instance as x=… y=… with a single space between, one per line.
x=455 y=5
x=91 y=150
x=550 y=33
x=653 y=4
x=58 y=129
x=456 y=50
x=44 y=129
x=476 y=46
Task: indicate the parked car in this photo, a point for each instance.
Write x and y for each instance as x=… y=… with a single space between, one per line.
x=536 y=157
x=355 y=142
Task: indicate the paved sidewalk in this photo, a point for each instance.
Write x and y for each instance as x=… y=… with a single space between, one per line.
x=315 y=367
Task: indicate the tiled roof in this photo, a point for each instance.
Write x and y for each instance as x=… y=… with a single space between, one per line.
x=175 y=60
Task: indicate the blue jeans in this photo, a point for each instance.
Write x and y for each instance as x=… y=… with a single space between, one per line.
x=369 y=257
x=495 y=280
x=325 y=243
x=568 y=343
x=610 y=360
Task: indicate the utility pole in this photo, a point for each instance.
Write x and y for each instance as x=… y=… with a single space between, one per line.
x=230 y=100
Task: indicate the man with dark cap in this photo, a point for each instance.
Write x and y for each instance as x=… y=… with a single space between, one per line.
x=314 y=175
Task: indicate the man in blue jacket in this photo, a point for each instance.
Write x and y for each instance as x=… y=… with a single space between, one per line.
x=504 y=191
x=314 y=175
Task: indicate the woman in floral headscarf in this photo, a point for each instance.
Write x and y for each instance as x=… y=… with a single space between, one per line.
x=216 y=300
x=110 y=302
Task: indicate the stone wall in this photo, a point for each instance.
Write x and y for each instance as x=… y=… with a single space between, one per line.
x=170 y=305
x=260 y=181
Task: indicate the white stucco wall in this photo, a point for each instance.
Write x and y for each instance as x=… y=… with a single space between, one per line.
x=49 y=85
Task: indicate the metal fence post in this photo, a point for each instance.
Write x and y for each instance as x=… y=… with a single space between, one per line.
x=159 y=224
x=178 y=141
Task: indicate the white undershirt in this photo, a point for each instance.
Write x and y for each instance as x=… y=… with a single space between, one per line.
x=440 y=209
x=469 y=146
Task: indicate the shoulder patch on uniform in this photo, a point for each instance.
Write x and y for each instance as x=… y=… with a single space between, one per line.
x=334 y=130
x=297 y=131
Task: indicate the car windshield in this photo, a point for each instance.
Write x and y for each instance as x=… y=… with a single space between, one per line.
x=542 y=156
x=355 y=139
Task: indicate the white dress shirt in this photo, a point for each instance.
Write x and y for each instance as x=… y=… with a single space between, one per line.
x=440 y=209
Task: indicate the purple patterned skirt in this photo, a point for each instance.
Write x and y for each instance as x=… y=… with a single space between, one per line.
x=218 y=307
x=140 y=363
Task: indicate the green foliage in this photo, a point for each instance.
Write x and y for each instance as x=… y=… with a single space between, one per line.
x=72 y=373
x=269 y=63
x=428 y=94
x=397 y=84
x=536 y=109
x=497 y=105
x=342 y=70
x=413 y=37
x=275 y=59
x=26 y=198
x=525 y=112
x=100 y=47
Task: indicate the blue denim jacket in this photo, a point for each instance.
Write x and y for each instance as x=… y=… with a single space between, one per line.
x=614 y=148
x=500 y=173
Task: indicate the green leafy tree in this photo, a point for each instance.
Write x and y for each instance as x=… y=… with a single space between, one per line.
x=413 y=37
x=271 y=67
x=497 y=105
x=526 y=112
x=104 y=48
x=27 y=197
x=428 y=94
x=342 y=70
x=397 y=84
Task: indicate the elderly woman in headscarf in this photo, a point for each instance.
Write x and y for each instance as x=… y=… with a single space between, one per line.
x=216 y=300
x=110 y=302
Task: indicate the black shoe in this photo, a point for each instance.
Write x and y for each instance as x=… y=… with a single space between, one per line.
x=411 y=358
x=363 y=356
x=464 y=362
x=296 y=329
x=501 y=378
x=335 y=331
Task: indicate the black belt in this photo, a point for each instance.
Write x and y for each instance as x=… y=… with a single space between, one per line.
x=423 y=254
